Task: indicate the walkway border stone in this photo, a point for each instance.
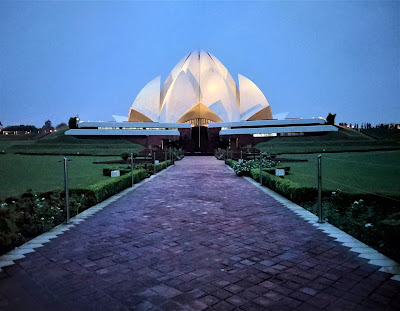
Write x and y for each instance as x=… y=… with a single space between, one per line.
x=364 y=251
x=30 y=246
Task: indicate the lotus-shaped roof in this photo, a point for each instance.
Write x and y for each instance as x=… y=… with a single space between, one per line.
x=200 y=87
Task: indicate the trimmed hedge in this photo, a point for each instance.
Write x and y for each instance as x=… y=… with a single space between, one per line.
x=287 y=188
x=230 y=162
x=162 y=165
x=107 y=188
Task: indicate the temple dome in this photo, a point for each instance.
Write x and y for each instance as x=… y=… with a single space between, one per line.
x=200 y=87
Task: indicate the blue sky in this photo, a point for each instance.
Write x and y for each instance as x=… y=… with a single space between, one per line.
x=61 y=59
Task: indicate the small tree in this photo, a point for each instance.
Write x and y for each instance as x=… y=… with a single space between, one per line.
x=73 y=122
x=61 y=126
x=47 y=127
x=223 y=143
x=330 y=119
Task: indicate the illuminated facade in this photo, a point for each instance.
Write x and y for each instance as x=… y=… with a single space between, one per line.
x=200 y=90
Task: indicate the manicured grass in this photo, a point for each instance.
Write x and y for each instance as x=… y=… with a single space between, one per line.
x=75 y=149
x=383 y=134
x=5 y=144
x=343 y=140
x=43 y=173
x=59 y=144
x=355 y=172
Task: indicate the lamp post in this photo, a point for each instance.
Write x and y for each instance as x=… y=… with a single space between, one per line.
x=320 y=190
x=132 y=176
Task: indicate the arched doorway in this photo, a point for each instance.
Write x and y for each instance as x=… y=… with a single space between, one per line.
x=199 y=116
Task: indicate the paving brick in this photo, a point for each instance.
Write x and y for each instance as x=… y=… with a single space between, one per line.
x=263 y=302
x=291 y=302
x=308 y=291
x=234 y=289
x=251 y=306
x=209 y=300
x=223 y=306
x=236 y=300
x=197 y=305
x=166 y=291
x=221 y=283
x=273 y=296
x=248 y=295
x=221 y=294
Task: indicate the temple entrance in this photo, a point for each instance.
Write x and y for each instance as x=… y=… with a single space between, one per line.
x=200 y=143
x=199 y=116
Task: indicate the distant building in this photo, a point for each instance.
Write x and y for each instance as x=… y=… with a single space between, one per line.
x=198 y=104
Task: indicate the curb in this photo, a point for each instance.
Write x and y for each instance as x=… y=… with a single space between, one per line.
x=30 y=246
x=364 y=251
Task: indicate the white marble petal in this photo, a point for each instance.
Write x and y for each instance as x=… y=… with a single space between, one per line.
x=119 y=118
x=252 y=99
x=179 y=99
x=227 y=76
x=219 y=98
x=192 y=65
x=147 y=101
x=171 y=77
x=281 y=115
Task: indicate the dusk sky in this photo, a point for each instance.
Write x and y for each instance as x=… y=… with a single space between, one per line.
x=61 y=59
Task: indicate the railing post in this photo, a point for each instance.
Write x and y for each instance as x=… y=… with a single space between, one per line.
x=165 y=154
x=241 y=156
x=260 y=168
x=154 y=162
x=66 y=188
x=132 y=176
x=320 y=190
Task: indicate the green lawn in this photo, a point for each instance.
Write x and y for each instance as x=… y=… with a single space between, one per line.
x=343 y=140
x=383 y=134
x=58 y=143
x=374 y=171
x=44 y=173
x=21 y=169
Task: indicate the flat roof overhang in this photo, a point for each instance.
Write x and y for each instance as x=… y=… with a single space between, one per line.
x=117 y=132
x=133 y=124
x=286 y=129
x=267 y=123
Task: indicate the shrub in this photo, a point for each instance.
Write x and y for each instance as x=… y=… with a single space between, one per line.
x=106 y=188
x=73 y=123
x=159 y=167
x=9 y=233
x=230 y=162
x=244 y=168
x=106 y=172
x=287 y=188
x=330 y=119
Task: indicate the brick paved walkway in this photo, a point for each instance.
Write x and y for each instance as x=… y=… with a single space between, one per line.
x=196 y=238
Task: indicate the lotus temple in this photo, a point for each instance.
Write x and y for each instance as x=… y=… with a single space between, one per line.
x=200 y=104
